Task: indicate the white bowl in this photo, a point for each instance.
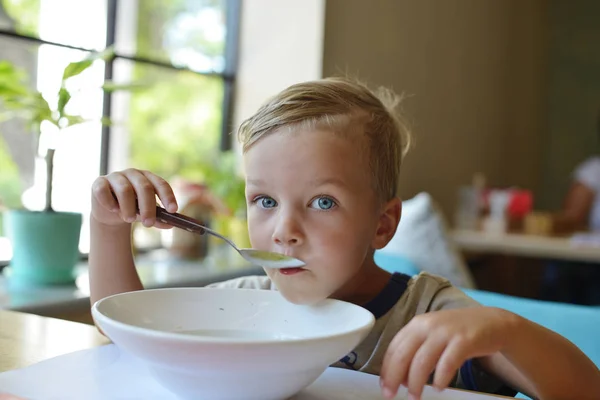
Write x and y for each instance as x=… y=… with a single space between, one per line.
x=240 y=343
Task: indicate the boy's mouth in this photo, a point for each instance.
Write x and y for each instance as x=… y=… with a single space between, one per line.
x=291 y=271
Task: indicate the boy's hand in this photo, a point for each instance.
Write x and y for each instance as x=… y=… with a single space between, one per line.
x=131 y=187
x=441 y=341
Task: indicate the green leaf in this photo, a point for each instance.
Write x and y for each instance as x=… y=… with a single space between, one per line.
x=12 y=114
x=12 y=89
x=43 y=111
x=17 y=103
x=115 y=87
x=12 y=81
x=63 y=98
x=106 y=121
x=7 y=69
x=73 y=120
x=77 y=67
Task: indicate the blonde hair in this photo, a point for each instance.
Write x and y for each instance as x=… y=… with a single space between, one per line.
x=340 y=105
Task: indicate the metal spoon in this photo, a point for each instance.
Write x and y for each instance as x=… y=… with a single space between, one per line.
x=259 y=257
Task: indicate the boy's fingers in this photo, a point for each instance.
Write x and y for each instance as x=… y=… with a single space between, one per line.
x=398 y=338
x=424 y=363
x=162 y=225
x=403 y=334
x=389 y=354
x=102 y=192
x=164 y=191
x=450 y=361
x=397 y=363
x=125 y=195
x=146 y=196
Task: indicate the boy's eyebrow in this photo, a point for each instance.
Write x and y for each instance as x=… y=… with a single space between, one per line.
x=329 y=181
x=255 y=182
x=315 y=182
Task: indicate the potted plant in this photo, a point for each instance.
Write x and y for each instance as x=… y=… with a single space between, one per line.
x=45 y=243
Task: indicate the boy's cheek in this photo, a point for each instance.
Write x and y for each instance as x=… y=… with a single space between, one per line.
x=259 y=235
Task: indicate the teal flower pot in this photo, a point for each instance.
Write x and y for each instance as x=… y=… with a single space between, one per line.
x=45 y=246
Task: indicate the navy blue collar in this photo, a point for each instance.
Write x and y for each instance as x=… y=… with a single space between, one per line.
x=389 y=295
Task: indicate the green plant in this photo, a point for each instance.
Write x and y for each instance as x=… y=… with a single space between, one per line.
x=220 y=174
x=222 y=177
x=18 y=99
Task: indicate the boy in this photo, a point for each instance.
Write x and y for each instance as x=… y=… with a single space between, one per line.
x=322 y=161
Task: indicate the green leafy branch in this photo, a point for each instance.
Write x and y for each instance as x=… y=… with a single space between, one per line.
x=19 y=100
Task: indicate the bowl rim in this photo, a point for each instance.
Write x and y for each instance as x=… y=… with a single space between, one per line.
x=158 y=334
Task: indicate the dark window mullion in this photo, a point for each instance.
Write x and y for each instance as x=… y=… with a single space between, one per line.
x=111 y=19
x=36 y=40
x=162 y=64
x=232 y=23
x=142 y=60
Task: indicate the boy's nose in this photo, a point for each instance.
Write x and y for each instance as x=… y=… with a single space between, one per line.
x=288 y=233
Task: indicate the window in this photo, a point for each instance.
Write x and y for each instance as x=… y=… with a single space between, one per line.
x=182 y=51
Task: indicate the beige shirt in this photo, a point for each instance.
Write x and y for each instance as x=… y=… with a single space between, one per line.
x=424 y=293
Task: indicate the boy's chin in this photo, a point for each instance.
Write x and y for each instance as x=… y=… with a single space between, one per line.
x=303 y=299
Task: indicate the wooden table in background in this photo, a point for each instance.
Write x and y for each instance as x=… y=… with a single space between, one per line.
x=26 y=339
x=540 y=247
x=515 y=264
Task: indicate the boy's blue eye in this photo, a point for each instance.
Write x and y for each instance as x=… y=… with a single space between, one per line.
x=323 y=203
x=266 y=202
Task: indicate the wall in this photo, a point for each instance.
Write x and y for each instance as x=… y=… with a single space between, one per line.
x=281 y=43
x=573 y=93
x=474 y=71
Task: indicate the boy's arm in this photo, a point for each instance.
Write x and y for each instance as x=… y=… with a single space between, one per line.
x=118 y=199
x=531 y=354
x=543 y=364
x=111 y=266
x=531 y=358
x=513 y=350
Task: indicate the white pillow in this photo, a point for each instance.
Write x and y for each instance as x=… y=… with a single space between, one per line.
x=422 y=237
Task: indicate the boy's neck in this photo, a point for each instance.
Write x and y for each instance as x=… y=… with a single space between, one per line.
x=365 y=285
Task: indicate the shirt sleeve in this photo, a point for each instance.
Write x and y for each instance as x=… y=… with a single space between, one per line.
x=588 y=173
x=449 y=297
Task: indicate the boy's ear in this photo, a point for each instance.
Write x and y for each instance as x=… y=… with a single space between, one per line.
x=388 y=223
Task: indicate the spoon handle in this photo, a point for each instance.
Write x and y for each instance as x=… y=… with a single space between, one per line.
x=189 y=224
x=179 y=221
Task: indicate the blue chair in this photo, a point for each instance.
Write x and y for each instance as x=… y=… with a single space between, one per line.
x=579 y=324
x=396 y=263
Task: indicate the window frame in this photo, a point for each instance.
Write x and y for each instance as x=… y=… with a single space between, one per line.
x=228 y=75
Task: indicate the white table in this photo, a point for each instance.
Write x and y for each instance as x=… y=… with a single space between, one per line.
x=556 y=248
x=107 y=373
